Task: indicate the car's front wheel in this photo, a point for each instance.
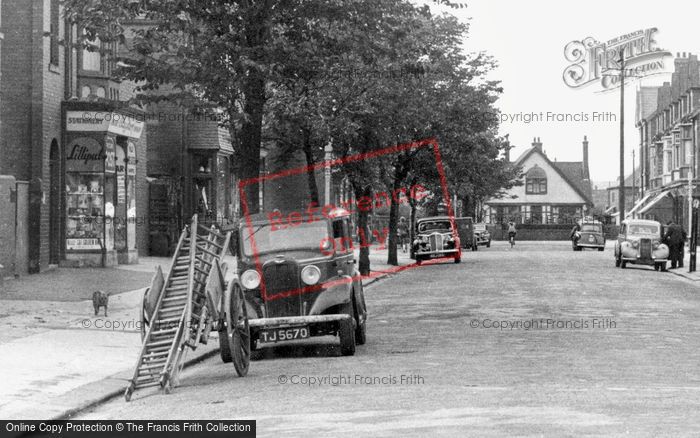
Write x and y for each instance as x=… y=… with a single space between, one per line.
x=488 y=245
x=660 y=266
x=623 y=264
x=458 y=258
x=346 y=332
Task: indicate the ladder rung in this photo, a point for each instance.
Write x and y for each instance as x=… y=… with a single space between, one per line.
x=210 y=242
x=137 y=386
x=208 y=251
x=175 y=288
x=167 y=320
x=156 y=344
x=153 y=366
x=201 y=270
x=146 y=359
x=175 y=297
x=199 y=259
x=163 y=332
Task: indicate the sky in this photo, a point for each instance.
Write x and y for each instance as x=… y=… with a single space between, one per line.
x=527 y=40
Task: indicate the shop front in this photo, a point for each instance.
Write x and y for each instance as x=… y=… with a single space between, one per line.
x=100 y=181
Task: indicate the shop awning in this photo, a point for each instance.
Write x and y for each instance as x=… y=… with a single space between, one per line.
x=638 y=205
x=654 y=201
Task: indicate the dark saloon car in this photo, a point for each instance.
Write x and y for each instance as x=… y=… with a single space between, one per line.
x=590 y=235
x=300 y=280
x=435 y=237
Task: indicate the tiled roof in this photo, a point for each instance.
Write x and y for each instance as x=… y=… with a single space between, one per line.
x=207 y=134
x=573 y=170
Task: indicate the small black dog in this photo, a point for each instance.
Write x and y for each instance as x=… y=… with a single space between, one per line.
x=100 y=299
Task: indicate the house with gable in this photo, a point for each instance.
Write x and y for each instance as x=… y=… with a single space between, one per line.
x=552 y=192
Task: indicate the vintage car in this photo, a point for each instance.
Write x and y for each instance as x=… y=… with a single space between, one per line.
x=299 y=280
x=482 y=236
x=436 y=237
x=591 y=235
x=639 y=243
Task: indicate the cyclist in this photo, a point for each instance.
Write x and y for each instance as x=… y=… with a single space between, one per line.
x=511 y=232
x=402 y=232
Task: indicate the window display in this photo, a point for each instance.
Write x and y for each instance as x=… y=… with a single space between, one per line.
x=84 y=210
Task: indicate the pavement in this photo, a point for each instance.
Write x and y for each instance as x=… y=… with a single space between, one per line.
x=58 y=358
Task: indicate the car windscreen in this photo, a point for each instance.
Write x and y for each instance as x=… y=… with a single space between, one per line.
x=274 y=237
x=649 y=230
x=424 y=227
x=592 y=228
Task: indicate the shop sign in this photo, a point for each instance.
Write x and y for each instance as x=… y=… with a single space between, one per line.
x=85 y=154
x=105 y=121
x=81 y=244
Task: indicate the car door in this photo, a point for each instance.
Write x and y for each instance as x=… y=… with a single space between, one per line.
x=345 y=254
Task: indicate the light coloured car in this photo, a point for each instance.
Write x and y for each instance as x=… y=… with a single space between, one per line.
x=640 y=243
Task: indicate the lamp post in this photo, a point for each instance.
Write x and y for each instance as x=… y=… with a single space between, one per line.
x=327 y=172
x=621 y=197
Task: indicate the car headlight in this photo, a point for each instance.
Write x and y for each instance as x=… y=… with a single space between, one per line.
x=250 y=279
x=310 y=275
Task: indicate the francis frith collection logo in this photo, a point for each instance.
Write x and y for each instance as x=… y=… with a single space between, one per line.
x=594 y=62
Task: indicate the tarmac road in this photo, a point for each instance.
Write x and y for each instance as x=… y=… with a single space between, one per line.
x=537 y=340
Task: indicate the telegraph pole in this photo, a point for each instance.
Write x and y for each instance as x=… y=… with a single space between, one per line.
x=621 y=197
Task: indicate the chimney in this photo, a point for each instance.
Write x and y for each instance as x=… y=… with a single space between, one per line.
x=586 y=171
x=536 y=143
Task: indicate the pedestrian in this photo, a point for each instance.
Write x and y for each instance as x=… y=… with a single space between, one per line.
x=402 y=231
x=512 y=231
x=575 y=233
x=675 y=239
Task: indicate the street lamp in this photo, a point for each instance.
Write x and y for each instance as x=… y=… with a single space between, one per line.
x=327 y=171
x=621 y=197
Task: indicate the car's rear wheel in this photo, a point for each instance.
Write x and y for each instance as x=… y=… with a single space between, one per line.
x=346 y=332
x=361 y=329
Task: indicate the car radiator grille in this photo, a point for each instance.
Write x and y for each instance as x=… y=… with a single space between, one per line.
x=280 y=278
x=435 y=241
x=645 y=248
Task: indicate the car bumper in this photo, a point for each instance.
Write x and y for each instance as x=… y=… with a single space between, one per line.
x=591 y=245
x=437 y=253
x=292 y=321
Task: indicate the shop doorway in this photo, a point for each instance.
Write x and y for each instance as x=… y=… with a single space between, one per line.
x=55 y=212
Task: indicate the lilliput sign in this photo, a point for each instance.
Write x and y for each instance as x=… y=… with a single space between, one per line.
x=599 y=62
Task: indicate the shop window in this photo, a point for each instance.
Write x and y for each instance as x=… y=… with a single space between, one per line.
x=100 y=92
x=536 y=181
x=85 y=92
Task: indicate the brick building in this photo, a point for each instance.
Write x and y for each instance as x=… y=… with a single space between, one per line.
x=42 y=79
x=667 y=118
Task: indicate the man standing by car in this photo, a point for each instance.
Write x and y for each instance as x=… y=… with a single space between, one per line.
x=575 y=232
x=675 y=239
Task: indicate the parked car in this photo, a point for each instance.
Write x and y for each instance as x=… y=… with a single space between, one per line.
x=436 y=237
x=591 y=235
x=301 y=281
x=482 y=236
x=465 y=230
x=640 y=243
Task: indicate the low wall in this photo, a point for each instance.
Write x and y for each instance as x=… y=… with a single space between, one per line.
x=543 y=232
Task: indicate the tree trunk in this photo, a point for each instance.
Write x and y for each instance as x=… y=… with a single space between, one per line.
x=400 y=174
x=310 y=173
x=363 y=230
x=251 y=134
